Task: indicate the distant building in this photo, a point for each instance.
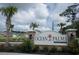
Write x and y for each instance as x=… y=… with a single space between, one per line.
x=50 y=23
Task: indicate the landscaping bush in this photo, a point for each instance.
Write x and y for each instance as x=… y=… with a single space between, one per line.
x=2 y=48
x=9 y=49
x=66 y=49
x=27 y=46
x=16 y=48
x=13 y=39
x=73 y=46
x=53 y=49
x=75 y=51
x=59 y=49
x=18 y=39
x=2 y=38
x=45 y=49
x=35 y=49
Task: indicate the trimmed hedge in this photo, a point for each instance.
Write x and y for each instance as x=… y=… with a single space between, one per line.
x=53 y=49
x=35 y=49
x=27 y=46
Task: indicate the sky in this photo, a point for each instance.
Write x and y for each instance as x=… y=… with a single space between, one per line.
x=44 y=14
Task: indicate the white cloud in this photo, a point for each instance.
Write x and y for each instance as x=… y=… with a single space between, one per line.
x=38 y=13
x=58 y=18
x=21 y=27
x=41 y=11
x=43 y=29
x=77 y=15
x=23 y=17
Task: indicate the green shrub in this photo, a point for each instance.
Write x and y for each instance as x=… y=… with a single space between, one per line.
x=66 y=49
x=19 y=38
x=35 y=49
x=53 y=49
x=2 y=48
x=45 y=49
x=75 y=51
x=73 y=46
x=27 y=46
x=16 y=48
x=2 y=38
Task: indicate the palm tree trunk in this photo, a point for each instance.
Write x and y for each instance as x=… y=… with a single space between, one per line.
x=8 y=23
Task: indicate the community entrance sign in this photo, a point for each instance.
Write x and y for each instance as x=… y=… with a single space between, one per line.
x=50 y=38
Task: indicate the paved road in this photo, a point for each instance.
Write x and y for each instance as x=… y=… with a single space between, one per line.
x=9 y=53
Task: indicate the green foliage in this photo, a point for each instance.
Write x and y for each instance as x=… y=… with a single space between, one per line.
x=70 y=12
x=2 y=48
x=8 y=11
x=73 y=45
x=53 y=49
x=33 y=25
x=35 y=49
x=66 y=49
x=27 y=46
x=2 y=38
x=13 y=39
x=45 y=49
x=18 y=39
x=15 y=48
x=61 y=27
x=76 y=25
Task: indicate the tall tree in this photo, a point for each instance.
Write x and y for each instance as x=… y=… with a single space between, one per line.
x=61 y=27
x=33 y=25
x=8 y=12
x=70 y=13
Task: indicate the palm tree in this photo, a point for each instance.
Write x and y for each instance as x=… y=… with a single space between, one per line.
x=61 y=27
x=8 y=12
x=33 y=25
